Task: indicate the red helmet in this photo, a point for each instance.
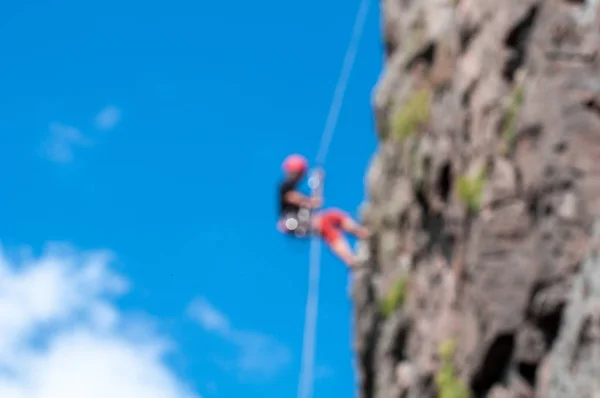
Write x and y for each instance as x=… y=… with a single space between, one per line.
x=295 y=164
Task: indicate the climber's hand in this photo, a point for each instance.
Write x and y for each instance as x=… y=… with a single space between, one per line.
x=320 y=173
x=316 y=202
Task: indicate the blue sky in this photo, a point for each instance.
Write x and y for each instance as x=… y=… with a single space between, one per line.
x=153 y=133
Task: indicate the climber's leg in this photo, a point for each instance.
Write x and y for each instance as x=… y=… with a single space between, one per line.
x=328 y=224
x=340 y=218
x=354 y=228
x=342 y=249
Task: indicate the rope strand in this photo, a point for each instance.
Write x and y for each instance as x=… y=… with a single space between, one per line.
x=305 y=385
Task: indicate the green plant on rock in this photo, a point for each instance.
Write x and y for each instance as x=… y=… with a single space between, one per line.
x=448 y=383
x=470 y=189
x=510 y=117
x=413 y=115
x=446 y=349
x=395 y=297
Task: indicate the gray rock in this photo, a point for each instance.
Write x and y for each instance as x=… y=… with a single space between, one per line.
x=515 y=86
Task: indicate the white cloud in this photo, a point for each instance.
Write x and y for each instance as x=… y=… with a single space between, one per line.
x=208 y=316
x=259 y=356
x=63 y=139
x=61 y=337
x=108 y=118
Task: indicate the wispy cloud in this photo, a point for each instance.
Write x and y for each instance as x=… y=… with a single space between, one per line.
x=63 y=337
x=62 y=141
x=108 y=118
x=65 y=139
x=259 y=355
x=209 y=317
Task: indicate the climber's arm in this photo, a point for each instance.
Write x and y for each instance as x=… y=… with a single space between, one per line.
x=301 y=200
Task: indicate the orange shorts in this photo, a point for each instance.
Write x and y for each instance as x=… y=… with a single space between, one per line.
x=329 y=222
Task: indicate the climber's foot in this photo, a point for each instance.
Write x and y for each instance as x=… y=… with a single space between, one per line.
x=352 y=263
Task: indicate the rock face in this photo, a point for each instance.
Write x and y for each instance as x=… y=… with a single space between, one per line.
x=482 y=199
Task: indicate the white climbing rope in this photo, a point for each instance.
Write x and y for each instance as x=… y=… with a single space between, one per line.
x=305 y=385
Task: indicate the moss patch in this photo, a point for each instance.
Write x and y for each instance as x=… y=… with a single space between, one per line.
x=448 y=383
x=510 y=118
x=413 y=115
x=395 y=297
x=470 y=189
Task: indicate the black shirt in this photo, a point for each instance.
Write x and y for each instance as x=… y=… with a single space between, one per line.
x=285 y=207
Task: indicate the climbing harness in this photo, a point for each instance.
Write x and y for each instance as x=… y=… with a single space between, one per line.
x=298 y=224
x=305 y=385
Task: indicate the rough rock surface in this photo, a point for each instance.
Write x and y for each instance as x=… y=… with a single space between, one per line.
x=482 y=198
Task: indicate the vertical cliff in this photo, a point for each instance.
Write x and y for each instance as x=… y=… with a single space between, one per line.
x=479 y=279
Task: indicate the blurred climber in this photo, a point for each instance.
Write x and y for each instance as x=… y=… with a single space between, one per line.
x=296 y=217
